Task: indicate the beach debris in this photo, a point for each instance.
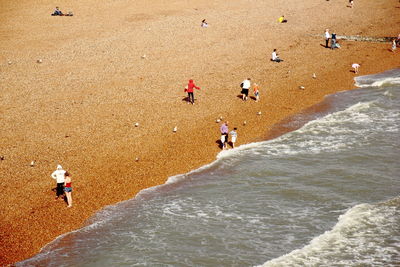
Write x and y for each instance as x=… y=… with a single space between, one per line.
x=32 y=163
x=244 y=123
x=314 y=76
x=136 y=124
x=144 y=56
x=302 y=87
x=175 y=129
x=39 y=60
x=217 y=120
x=259 y=113
x=2 y=158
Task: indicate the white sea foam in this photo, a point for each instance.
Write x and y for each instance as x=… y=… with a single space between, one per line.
x=365 y=234
x=387 y=78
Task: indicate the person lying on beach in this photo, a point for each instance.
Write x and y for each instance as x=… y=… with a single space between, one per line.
x=275 y=57
x=282 y=19
x=204 y=24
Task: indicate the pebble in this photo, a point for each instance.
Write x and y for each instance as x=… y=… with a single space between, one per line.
x=244 y=123
x=302 y=87
x=314 y=76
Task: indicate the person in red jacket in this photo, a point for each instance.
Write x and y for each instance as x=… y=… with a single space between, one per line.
x=189 y=90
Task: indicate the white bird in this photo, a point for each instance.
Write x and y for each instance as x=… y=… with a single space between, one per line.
x=217 y=120
x=244 y=123
x=175 y=129
x=144 y=57
x=301 y=87
x=259 y=113
x=136 y=159
x=137 y=124
x=32 y=163
x=314 y=76
x=2 y=158
x=39 y=61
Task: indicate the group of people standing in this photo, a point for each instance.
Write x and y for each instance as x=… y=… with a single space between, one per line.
x=64 y=184
x=225 y=135
x=332 y=38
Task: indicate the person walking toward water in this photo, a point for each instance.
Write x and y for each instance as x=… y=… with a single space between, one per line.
x=355 y=67
x=224 y=134
x=245 y=88
x=233 y=134
x=59 y=176
x=68 y=189
x=189 y=89
x=327 y=37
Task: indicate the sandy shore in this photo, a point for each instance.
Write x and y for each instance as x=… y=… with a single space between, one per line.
x=78 y=107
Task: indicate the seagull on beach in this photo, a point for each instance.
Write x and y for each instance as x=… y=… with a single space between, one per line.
x=32 y=163
x=175 y=129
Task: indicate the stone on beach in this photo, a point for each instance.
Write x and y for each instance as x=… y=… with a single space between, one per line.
x=314 y=75
x=302 y=87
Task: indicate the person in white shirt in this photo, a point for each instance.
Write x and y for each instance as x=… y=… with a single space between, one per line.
x=355 y=66
x=245 y=89
x=275 y=57
x=233 y=135
x=59 y=176
x=327 y=37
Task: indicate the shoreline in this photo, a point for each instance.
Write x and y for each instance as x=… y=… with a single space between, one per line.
x=309 y=115
x=97 y=105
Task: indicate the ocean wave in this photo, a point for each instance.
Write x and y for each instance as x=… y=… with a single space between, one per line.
x=365 y=235
x=387 y=78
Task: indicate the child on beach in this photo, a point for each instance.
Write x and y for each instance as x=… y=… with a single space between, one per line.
x=233 y=134
x=68 y=189
x=256 y=91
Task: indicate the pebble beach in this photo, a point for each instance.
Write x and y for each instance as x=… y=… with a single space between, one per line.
x=101 y=93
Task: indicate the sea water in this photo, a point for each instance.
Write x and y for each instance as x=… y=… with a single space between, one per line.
x=326 y=194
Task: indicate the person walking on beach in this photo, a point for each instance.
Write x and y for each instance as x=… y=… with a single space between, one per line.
x=233 y=134
x=245 y=88
x=189 y=89
x=224 y=134
x=68 y=189
x=59 y=176
x=355 y=67
x=275 y=57
x=256 y=92
x=327 y=37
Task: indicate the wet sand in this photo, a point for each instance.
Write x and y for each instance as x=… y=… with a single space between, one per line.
x=79 y=105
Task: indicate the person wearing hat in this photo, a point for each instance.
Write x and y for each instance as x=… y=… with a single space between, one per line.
x=59 y=176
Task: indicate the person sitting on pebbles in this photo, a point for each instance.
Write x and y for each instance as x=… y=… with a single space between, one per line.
x=57 y=12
